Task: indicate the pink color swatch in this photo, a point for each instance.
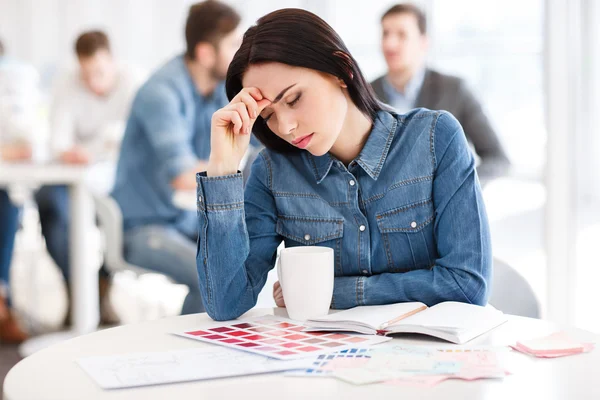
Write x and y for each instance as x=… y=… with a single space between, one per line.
x=280 y=338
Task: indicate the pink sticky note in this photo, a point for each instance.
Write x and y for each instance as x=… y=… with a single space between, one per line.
x=556 y=343
x=587 y=347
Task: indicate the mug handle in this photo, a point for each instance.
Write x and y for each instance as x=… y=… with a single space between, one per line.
x=279 y=276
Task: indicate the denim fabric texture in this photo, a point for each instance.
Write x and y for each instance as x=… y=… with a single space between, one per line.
x=406 y=219
x=167 y=132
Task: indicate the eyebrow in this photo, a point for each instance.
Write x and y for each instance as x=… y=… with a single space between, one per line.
x=282 y=93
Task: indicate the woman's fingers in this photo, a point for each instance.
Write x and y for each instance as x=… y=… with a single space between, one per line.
x=278 y=295
x=252 y=91
x=262 y=104
x=242 y=111
x=233 y=117
x=253 y=98
x=250 y=103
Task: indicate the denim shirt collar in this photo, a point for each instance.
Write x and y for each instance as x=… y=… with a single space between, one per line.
x=372 y=156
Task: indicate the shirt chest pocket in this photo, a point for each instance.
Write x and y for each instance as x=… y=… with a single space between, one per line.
x=407 y=234
x=313 y=231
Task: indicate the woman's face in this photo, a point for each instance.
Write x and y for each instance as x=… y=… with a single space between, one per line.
x=308 y=107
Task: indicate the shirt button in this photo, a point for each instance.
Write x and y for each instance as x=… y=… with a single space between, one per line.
x=365 y=271
x=352 y=183
x=362 y=228
x=200 y=199
x=413 y=224
x=307 y=237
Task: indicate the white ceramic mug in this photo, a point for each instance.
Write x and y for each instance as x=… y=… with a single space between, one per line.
x=306 y=278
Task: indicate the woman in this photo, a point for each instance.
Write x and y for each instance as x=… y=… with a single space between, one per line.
x=396 y=196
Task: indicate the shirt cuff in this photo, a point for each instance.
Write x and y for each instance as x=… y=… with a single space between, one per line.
x=348 y=292
x=219 y=193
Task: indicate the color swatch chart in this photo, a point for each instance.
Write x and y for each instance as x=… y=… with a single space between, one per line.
x=280 y=338
x=325 y=364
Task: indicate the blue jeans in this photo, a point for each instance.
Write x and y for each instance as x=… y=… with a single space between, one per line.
x=53 y=206
x=164 y=249
x=9 y=222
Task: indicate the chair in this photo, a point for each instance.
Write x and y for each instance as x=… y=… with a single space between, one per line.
x=111 y=222
x=147 y=306
x=511 y=293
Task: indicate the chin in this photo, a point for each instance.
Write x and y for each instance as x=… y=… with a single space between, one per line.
x=318 y=152
x=396 y=66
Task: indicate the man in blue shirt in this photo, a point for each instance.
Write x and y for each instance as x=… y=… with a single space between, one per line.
x=167 y=140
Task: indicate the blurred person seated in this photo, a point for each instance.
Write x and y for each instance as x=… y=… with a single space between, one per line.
x=167 y=140
x=409 y=84
x=18 y=101
x=87 y=119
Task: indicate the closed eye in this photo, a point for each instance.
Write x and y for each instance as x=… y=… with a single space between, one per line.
x=291 y=104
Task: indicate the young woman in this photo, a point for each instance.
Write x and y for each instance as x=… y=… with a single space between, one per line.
x=395 y=196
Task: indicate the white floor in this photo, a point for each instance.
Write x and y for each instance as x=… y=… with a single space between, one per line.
x=515 y=209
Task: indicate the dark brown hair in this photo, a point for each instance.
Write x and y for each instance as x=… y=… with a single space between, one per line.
x=412 y=10
x=88 y=43
x=208 y=21
x=298 y=38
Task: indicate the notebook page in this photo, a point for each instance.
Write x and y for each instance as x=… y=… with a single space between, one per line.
x=454 y=316
x=373 y=316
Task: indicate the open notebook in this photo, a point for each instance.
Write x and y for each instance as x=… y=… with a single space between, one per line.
x=451 y=321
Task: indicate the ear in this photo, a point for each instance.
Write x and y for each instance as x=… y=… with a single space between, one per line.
x=206 y=54
x=342 y=83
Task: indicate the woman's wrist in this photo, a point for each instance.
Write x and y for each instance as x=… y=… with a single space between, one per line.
x=219 y=168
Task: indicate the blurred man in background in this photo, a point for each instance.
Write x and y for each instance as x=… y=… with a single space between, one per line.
x=410 y=84
x=167 y=140
x=18 y=107
x=87 y=119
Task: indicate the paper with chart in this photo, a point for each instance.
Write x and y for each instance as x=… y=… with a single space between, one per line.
x=410 y=365
x=325 y=364
x=144 y=369
x=280 y=338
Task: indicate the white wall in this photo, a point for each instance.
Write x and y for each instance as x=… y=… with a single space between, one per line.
x=148 y=32
x=144 y=32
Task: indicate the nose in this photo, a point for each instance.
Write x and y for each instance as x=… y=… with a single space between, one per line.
x=286 y=124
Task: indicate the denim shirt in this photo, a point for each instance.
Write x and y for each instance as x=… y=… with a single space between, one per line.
x=406 y=219
x=167 y=132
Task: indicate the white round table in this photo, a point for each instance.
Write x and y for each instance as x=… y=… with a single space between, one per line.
x=53 y=373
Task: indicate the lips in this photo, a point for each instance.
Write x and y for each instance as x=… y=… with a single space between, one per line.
x=296 y=141
x=303 y=141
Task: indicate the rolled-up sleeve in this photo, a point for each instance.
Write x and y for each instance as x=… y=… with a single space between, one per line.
x=159 y=111
x=237 y=240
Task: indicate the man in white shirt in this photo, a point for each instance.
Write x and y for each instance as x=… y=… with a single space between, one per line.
x=91 y=104
x=87 y=118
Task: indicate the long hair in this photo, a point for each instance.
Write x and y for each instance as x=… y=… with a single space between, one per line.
x=298 y=38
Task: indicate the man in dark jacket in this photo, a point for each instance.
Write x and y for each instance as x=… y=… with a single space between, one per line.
x=410 y=84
